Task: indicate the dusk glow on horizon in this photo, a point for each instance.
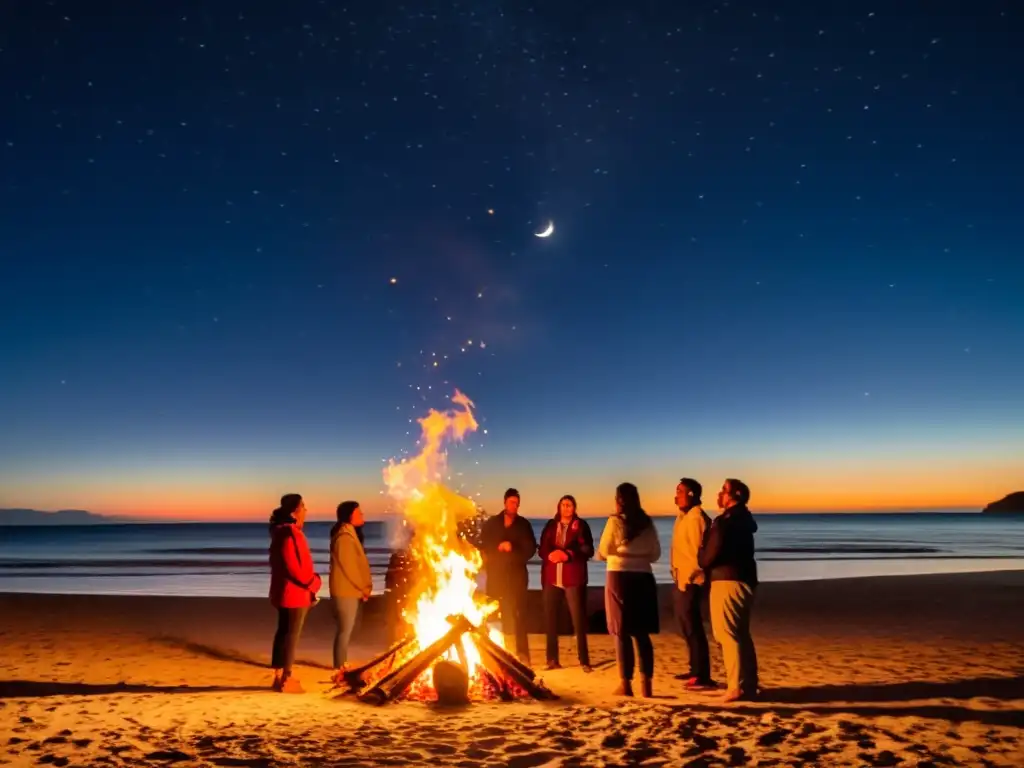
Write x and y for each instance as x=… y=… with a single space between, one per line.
x=243 y=255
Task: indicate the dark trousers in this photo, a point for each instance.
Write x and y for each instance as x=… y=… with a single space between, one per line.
x=577 y=599
x=691 y=627
x=286 y=639
x=512 y=604
x=627 y=661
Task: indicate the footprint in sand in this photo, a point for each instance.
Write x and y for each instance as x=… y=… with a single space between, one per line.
x=531 y=760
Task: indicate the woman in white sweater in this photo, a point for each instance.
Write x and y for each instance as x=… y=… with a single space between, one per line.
x=629 y=544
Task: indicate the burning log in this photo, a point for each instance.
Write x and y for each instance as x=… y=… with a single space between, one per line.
x=499 y=669
x=393 y=685
x=354 y=677
x=503 y=664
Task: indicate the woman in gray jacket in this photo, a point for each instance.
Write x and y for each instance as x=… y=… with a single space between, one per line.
x=350 y=579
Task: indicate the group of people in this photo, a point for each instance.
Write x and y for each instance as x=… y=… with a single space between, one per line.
x=294 y=583
x=711 y=561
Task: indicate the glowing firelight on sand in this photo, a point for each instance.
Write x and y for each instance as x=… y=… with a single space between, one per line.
x=449 y=563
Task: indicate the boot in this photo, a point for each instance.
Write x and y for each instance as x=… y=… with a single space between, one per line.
x=646 y=687
x=291 y=685
x=625 y=688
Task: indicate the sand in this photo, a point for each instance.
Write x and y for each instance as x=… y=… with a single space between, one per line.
x=908 y=671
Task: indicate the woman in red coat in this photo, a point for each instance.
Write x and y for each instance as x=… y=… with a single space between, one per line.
x=293 y=586
x=565 y=546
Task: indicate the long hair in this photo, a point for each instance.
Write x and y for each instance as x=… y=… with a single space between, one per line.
x=558 y=506
x=286 y=512
x=345 y=511
x=634 y=517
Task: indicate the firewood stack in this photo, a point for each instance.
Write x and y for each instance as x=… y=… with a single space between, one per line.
x=503 y=672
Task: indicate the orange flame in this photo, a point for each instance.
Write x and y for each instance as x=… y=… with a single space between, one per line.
x=449 y=563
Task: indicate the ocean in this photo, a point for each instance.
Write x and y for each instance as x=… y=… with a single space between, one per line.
x=230 y=559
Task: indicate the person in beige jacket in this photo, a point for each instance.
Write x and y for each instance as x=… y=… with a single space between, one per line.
x=690 y=593
x=350 y=579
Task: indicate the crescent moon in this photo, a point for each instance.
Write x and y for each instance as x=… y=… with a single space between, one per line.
x=548 y=231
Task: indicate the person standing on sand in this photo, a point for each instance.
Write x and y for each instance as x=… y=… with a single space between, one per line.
x=727 y=558
x=565 y=546
x=400 y=580
x=293 y=586
x=630 y=544
x=688 y=532
x=507 y=544
x=350 y=579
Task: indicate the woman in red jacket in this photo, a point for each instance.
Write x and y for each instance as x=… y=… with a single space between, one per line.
x=293 y=586
x=565 y=546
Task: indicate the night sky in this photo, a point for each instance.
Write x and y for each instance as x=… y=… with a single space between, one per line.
x=243 y=244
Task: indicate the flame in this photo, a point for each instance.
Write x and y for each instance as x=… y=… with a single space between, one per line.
x=448 y=563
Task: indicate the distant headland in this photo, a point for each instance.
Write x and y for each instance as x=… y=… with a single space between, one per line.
x=1011 y=502
x=60 y=517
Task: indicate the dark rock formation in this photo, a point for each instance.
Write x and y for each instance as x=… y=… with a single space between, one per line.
x=1012 y=502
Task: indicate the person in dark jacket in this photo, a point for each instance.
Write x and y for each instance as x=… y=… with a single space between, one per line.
x=565 y=546
x=403 y=574
x=293 y=586
x=507 y=544
x=727 y=559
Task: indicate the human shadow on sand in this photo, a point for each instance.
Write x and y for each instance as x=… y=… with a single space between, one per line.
x=34 y=689
x=225 y=654
x=906 y=699
x=1003 y=688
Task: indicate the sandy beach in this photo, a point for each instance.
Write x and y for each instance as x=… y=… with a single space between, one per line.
x=908 y=671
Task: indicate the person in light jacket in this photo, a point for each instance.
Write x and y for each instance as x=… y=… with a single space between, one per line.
x=565 y=546
x=690 y=592
x=727 y=558
x=350 y=579
x=293 y=586
x=629 y=544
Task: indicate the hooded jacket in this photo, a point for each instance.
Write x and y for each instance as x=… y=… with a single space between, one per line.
x=293 y=580
x=577 y=542
x=728 y=550
x=350 y=570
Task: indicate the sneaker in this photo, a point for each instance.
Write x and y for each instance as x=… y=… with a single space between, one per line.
x=625 y=688
x=276 y=685
x=696 y=684
x=586 y=668
x=554 y=665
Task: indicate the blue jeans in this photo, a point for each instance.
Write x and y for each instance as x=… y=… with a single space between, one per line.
x=346 y=610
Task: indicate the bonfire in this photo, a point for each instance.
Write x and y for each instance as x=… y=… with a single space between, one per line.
x=451 y=654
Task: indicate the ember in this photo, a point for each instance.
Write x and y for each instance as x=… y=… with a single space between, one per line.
x=448 y=617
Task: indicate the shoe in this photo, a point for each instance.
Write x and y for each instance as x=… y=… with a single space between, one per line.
x=586 y=668
x=291 y=685
x=625 y=688
x=554 y=665
x=731 y=696
x=646 y=687
x=276 y=685
x=696 y=684
x=685 y=676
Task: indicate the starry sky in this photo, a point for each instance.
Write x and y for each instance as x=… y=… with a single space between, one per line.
x=243 y=245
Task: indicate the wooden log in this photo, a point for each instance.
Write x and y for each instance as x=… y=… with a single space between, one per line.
x=394 y=685
x=354 y=677
x=451 y=682
x=499 y=668
x=484 y=641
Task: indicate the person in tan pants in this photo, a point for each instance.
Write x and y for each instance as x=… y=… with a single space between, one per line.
x=727 y=559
